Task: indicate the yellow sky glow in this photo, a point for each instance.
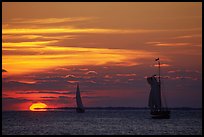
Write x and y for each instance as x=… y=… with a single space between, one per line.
x=68 y=56
x=77 y=30
x=102 y=44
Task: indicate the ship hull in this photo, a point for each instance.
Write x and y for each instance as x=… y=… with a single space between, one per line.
x=160 y=114
x=79 y=110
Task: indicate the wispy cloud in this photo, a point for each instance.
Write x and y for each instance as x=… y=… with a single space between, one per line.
x=173 y=44
x=185 y=77
x=70 y=76
x=45 y=92
x=183 y=37
x=34 y=38
x=180 y=77
x=34 y=44
x=50 y=97
x=91 y=72
x=162 y=65
x=68 y=56
x=187 y=36
x=126 y=75
x=184 y=72
x=50 y=20
x=73 y=81
x=16 y=100
x=163 y=44
x=72 y=30
x=107 y=76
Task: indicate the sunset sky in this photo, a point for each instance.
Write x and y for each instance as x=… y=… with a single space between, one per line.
x=108 y=47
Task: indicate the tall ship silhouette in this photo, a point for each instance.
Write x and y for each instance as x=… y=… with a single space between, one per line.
x=158 y=110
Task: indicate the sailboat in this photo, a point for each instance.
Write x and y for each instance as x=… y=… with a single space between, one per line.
x=80 y=107
x=155 y=103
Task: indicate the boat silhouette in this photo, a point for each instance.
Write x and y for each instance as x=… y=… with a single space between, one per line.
x=80 y=108
x=158 y=111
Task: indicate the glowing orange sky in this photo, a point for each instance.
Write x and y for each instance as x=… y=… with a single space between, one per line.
x=40 y=39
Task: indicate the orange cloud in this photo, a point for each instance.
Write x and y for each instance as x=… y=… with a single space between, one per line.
x=50 y=20
x=183 y=37
x=187 y=36
x=173 y=44
x=68 y=56
x=176 y=44
x=31 y=37
x=75 y=30
x=162 y=65
x=36 y=44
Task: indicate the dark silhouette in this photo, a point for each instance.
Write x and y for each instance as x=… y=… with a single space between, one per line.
x=80 y=107
x=155 y=103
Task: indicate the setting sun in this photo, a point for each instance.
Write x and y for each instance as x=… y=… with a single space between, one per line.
x=38 y=107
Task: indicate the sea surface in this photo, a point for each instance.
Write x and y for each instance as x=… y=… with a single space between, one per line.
x=101 y=122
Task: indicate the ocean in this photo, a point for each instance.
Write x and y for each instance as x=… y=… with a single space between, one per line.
x=101 y=122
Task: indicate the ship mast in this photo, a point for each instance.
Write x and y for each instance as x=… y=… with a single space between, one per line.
x=159 y=79
x=159 y=72
x=159 y=69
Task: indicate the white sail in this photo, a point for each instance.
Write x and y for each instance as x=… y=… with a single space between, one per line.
x=78 y=99
x=155 y=93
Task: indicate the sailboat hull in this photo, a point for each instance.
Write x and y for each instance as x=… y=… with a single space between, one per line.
x=79 y=110
x=160 y=114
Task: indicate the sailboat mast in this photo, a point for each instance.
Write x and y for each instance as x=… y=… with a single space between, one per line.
x=159 y=72
x=159 y=79
x=159 y=69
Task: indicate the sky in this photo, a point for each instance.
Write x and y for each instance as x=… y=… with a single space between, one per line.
x=109 y=48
